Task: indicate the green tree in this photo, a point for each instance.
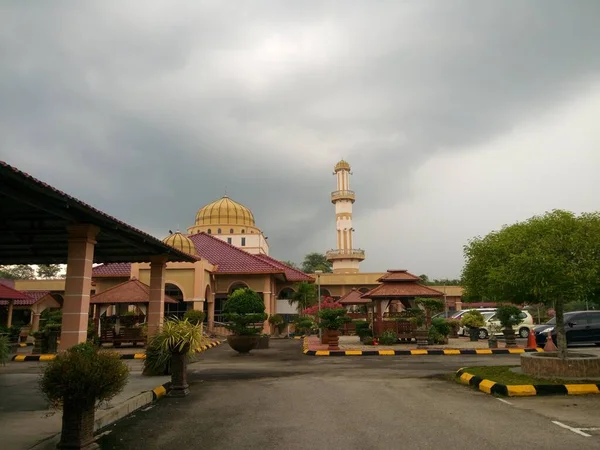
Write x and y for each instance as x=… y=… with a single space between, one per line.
x=551 y=259
x=48 y=270
x=316 y=261
x=305 y=295
x=17 y=272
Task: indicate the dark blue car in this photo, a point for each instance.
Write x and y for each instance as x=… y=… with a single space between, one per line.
x=582 y=327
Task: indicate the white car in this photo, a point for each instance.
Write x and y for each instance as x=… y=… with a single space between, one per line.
x=491 y=322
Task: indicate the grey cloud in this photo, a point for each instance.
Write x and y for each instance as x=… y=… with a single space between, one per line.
x=150 y=112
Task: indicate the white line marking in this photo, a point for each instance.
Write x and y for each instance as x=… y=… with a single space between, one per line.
x=504 y=401
x=589 y=429
x=574 y=430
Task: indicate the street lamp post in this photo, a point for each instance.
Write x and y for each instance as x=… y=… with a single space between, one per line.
x=318 y=273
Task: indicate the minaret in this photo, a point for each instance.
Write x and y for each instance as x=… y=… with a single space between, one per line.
x=345 y=258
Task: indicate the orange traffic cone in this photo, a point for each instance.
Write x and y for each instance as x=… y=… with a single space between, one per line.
x=531 y=343
x=550 y=347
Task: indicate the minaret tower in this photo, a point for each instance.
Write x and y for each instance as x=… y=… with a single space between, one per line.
x=345 y=258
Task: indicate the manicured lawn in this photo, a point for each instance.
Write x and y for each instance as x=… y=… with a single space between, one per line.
x=503 y=375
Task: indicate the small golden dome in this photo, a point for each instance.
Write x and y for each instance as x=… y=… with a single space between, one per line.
x=181 y=242
x=342 y=165
x=225 y=212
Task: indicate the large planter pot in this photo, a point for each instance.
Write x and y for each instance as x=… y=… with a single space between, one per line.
x=333 y=339
x=473 y=334
x=422 y=337
x=510 y=337
x=243 y=344
x=179 y=384
x=78 y=426
x=324 y=337
x=263 y=343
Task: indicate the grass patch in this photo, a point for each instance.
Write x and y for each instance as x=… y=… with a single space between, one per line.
x=503 y=375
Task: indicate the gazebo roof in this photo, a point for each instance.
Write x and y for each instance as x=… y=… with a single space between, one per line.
x=35 y=217
x=129 y=292
x=400 y=284
x=354 y=297
x=19 y=298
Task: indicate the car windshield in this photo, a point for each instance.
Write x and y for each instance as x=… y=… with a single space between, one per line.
x=553 y=320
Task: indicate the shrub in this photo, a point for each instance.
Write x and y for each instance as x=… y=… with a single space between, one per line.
x=454 y=324
x=194 y=316
x=439 y=331
x=245 y=312
x=363 y=328
x=388 y=337
x=4 y=350
x=304 y=325
x=472 y=319
x=275 y=319
x=508 y=316
x=83 y=374
x=333 y=318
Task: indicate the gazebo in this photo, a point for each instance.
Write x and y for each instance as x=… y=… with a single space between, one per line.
x=355 y=298
x=42 y=225
x=397 y=286
x=10 y=298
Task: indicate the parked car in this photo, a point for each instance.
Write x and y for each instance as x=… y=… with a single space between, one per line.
x=458 y=314
x=582 y=327
x=523 y=329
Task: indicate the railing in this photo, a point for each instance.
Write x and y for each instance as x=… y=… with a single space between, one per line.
x=339 y=195
x=354 y=253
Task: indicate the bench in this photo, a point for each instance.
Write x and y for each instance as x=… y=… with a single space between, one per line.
x=125 y=335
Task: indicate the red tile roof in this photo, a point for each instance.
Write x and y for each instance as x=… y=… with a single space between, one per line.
x=7 y=282
x=354 y=297
x=291 y=274
x=36 y=294
x=398 y=275
x=402 y=290
x=229 y=258
x=129 y=292
x=112 y=270
x=19 y=298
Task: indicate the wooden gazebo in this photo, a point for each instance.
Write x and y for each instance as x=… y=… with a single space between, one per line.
x=397 y=287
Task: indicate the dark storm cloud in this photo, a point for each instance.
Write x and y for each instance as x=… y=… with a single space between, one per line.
x=149 y=111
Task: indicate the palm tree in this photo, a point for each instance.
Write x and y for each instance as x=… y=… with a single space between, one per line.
x=305 y=295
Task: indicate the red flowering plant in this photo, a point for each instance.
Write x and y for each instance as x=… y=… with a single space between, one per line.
x=327 y=303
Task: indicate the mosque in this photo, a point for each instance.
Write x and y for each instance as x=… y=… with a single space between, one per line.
x=230 y=252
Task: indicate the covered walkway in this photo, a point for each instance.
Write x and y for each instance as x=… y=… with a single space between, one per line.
x=41 y=225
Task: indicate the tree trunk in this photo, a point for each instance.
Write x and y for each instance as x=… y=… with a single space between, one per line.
x=78 y=426
x=561 y=334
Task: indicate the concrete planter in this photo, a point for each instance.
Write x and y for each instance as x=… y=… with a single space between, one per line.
x=547 y=364
x=243 y=344
x=510 y=337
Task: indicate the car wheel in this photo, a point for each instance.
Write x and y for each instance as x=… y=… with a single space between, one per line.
x=483 y=334
x=524 y=332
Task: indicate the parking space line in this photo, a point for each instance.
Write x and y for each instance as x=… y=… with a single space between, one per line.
x=574 y=430
x=504 y=401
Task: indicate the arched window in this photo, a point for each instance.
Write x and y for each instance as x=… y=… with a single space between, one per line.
x=243 y=231
x=219 y=231
x=231 y=231
x=285 y=293
x=175 y=309
x=209 y=231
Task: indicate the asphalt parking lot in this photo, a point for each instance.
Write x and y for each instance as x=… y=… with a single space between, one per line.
x=279 y=398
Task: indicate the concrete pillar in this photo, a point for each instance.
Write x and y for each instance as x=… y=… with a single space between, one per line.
x=156 y=307
x=211 y=312
x=35 y=322
x=10 y=313
x=78 y=284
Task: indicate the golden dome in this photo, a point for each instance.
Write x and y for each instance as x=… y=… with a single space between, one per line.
x=342 y=165
x=225 y=212
x=181 y=242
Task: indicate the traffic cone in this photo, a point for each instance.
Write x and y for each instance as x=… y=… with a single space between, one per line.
x=531 y=343
x=550 y=347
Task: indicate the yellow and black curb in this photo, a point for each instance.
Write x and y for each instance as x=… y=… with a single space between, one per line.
x=525 y=390
x=52 y=356
x=161 y=391
x=435 y=352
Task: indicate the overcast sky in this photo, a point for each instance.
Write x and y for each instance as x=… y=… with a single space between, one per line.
x=457 y=116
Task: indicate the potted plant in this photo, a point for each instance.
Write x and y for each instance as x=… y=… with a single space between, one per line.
x=194 y=316
x=421 y=332
x=473 y=320
x=439 y=331
x=364 y=331
x=454 y=327
x=509 y=316
x=332 y=319
x=244 y=312
x=277 y=323
x=77 y=380
x=304 y=325
x=263 y=342
x=492 y=339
